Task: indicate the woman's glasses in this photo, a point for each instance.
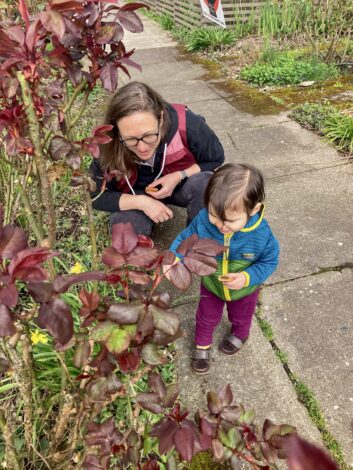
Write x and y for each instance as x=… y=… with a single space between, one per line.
x=147 y=139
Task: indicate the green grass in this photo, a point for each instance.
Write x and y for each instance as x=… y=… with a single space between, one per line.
x=335 y=125
x=313 y=116
x=287 y=71
x=338 y=130
x=208 y=38
x=266 y=328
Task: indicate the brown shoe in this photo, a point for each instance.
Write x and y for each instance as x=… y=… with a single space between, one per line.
x=200 y=363
x=231 y=345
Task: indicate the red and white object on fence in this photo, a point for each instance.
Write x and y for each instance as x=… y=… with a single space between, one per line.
x=213 y=11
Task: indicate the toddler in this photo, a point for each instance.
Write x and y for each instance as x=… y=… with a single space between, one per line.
x=233 y=216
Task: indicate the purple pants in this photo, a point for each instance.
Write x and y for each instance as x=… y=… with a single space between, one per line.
x=209 y=315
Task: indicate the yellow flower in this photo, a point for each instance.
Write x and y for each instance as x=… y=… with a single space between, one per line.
x=38 y=337
x=76 y=268
x=29 y=180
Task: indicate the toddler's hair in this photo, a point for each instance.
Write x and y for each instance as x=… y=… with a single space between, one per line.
x=234 y=186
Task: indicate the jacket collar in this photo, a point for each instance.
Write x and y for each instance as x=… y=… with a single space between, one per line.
x=254 y=221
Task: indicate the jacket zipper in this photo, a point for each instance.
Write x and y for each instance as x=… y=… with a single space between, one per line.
x=227 y=238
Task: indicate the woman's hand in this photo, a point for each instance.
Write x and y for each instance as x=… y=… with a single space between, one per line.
x=168 y=183
x=155 y=210
x=233 y=280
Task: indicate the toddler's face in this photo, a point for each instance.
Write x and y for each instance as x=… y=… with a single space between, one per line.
x=234 y=222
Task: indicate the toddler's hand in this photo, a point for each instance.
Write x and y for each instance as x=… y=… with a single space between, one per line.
x=234 y=281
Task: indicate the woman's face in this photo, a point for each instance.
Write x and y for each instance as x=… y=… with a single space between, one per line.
x=138 y=126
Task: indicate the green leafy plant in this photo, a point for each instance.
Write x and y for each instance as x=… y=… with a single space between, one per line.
x=166 y=21
x=288 y=71
x=335 y=125
x=211 y=38
x=313 y=116
x=338 y=129
x=83 y=361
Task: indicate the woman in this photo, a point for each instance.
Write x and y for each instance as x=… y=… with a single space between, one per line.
x=160 y=154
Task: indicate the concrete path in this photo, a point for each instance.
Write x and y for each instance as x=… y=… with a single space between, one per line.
x=308 y=301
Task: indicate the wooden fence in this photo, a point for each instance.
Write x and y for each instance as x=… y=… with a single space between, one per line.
x=188 y=12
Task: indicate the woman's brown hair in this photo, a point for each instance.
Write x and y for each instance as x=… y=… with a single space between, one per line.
x=131 y=98
x=234 y=186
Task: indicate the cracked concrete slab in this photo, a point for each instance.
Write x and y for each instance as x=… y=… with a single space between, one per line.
x=194 y=91
x=282 y=148
x=155 y=56
x=171 y=73
x=311 y=215
x=313 y=324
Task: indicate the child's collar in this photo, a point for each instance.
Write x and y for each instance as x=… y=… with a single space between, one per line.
x=255 y=220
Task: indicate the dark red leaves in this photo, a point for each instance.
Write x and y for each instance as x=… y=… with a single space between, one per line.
x=130 y=249
x=9 y=295
x=142 y=257
x=104 y=435
x=90 y=302
x=56 y=317
x=53 y=22
x=187 y=244
x=197 y=256
x=112 y=258
x=25 y=266
x=124 y=313
x=130 y=21
x=180 y=276
x=124 y=238
x=109 y=77
x=165 y=321
x=40 y=291
x=82 y=353
x=184 y=440
x=100 y=134
x=303 y=455
x=66 y=5
x=200 y=264
x=59 y=148
x=129 y=362
x=133 y=6
x=12 y=240
x=22 y=7
x=207 y=246
x=63 y=282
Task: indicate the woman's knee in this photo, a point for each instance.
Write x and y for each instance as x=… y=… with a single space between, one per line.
x=198 y=183
x=142 y=224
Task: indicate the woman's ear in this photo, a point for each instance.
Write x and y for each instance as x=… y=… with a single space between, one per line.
x=256 y=209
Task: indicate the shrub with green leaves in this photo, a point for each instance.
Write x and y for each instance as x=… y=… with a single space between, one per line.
x=339 y=131
x=313 y=116
x=211 y=38
x=166 y=21
x=288 y=71
x=335 y=125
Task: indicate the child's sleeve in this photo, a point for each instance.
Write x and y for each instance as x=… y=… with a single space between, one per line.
x=265 y=265
x=190 y=230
